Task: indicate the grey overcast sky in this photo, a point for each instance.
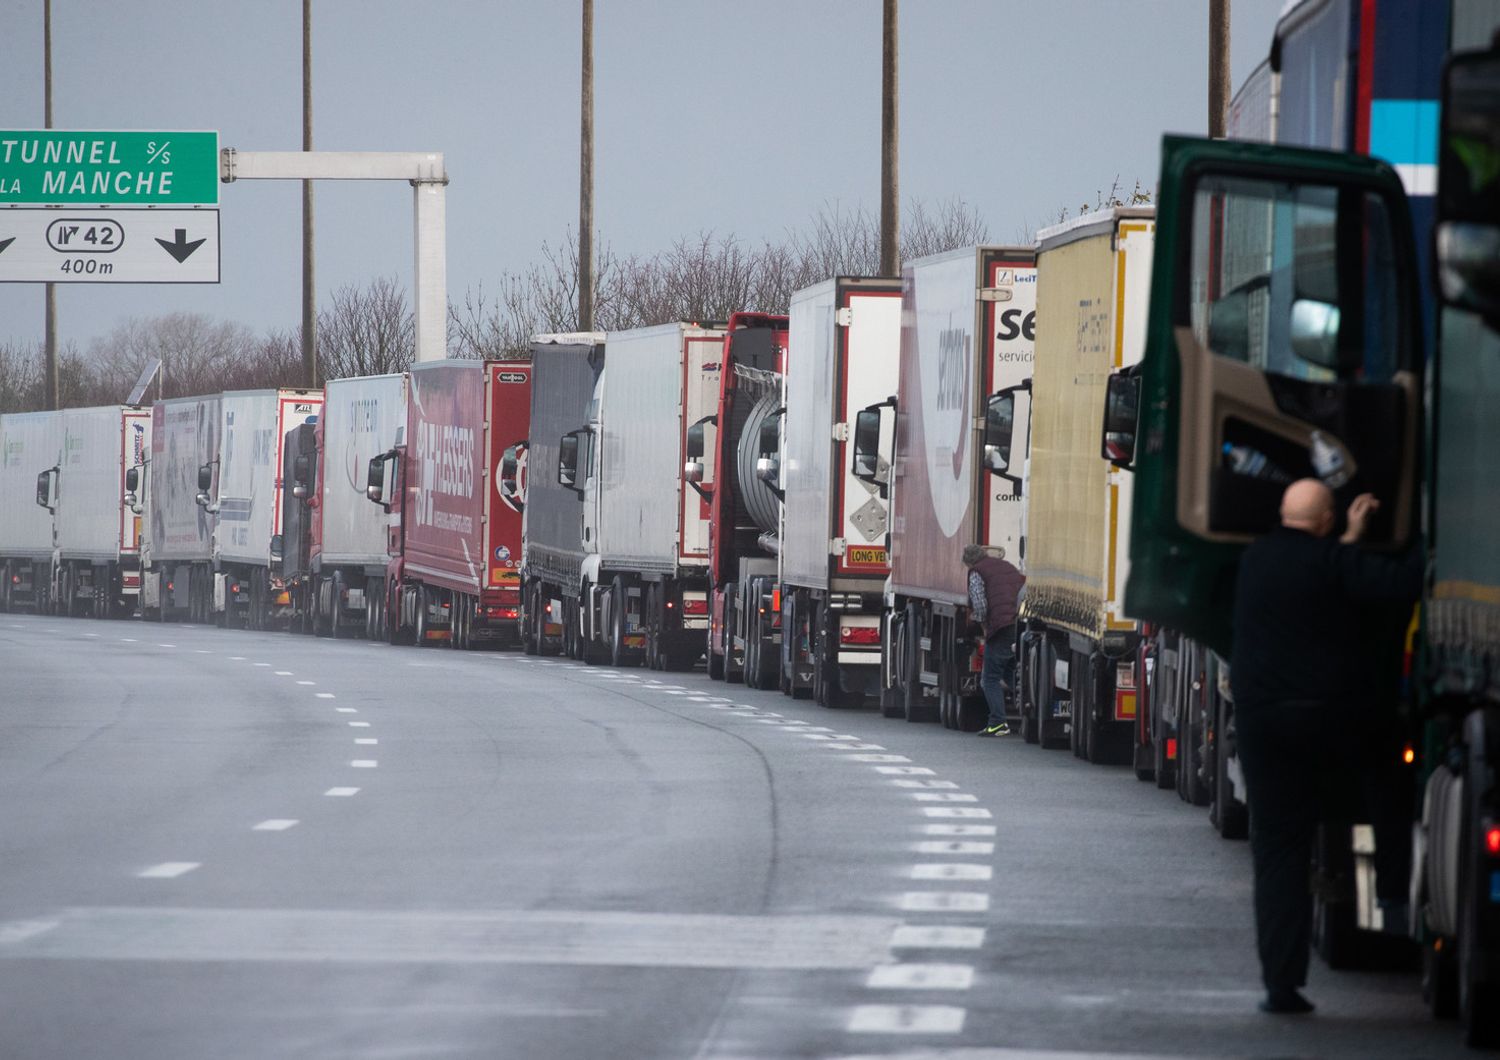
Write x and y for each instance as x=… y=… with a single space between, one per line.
x=738 y=117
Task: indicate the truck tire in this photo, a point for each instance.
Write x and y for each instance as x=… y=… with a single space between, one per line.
x=892 y=700
x=1478 y=976
x=372 y=610
x=396 y=631
x=718 y=665
x=914 y=704
x=421 y=623
x=619 y=653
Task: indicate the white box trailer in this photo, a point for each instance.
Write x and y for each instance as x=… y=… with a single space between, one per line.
x=97 y=569
x=336 y=544
x=243 y=488
x=844 y=345
x=30 y=443
x=645 y=528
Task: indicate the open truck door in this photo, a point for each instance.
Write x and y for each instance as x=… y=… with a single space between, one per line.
x=1283 y=343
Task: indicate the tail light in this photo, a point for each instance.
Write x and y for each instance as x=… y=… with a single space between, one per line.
x=1492 y=841
x=1171 y=748
x=862 y=636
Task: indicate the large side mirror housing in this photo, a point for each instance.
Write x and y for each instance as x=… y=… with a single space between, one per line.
x=1468 y=240
x=375 y=479
x=511 y=488
x=278 y=543
x=866 y=464
x=205 y=478
x=567 y=461
x=133 y=479
x=1314 y=333
x=1122 y=403
x=44 y=488
x=1468 y=267
x=302 y=477
x=999 y=432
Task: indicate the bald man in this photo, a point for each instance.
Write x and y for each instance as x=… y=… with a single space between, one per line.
x=1296 y=650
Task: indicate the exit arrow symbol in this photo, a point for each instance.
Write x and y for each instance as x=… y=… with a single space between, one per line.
x=5 y=243
x=180 y=248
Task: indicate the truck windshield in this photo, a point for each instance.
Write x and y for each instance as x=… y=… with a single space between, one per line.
x=1268 y=253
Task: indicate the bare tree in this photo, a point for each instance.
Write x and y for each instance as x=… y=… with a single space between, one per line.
x=198 y=353
x=366 y=331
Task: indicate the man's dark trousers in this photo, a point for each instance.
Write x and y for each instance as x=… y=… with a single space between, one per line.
x=1296 y=758
x=998 y=678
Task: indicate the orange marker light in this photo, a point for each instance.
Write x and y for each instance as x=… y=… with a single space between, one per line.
x=1409 y=755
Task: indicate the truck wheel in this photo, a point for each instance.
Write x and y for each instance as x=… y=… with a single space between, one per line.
x=914 y=704
x=718 y=664
x=892 y=701
x=372 y=610
x=531 y=626
x=734 y=673
x=617 y=655
x=394 y=633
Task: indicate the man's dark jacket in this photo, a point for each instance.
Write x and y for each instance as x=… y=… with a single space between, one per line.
x=1002 y=585
x=1296 y=614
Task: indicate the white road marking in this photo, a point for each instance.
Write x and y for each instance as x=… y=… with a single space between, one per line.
x=346 y=710
x=168 y=869
x=306 y=682
x=368 y=741
x=941 y=937
x=123 y=640
x=364 y=763
x=954 y=846
x=532 y=937
x=236 y=658
x=957 y=829
x=198 y=651
x=845 y=745
x=950 y=871
x=359 y=725
x=323 y=695
x=275 y=824
x=956 y=811
x=905 y=1019
x=943 y=902
x=876 y=758
x=166 y=645
x=59 y=631
x=907 y=771
x=91 y=634
x=818 y=728
x=341 y=793
x=267 y=665
x=283 y=673
x=672 y=691
x=924 y=783
x=21 y=930
x=943 y=796
x=921 y=977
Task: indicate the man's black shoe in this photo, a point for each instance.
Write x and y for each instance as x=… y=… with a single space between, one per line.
x=1286 y=1002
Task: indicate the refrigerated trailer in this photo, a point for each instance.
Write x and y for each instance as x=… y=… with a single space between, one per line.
x=30 y=443
x=643 y=579
x=96 y=567
x=844 y=342
x=335 y=543
x=968 y=341
x=454 y=534
x=724 y=448
x=177 y=550
x=1077 y=670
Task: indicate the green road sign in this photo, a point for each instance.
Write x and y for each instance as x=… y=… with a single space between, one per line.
x=68 y=167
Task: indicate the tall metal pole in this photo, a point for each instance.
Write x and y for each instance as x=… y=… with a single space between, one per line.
x=51 y=384
x=309 y=288
x=1218 y=68
x=890 y=202
x=586 y=178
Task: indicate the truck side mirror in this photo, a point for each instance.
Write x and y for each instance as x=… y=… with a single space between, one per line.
x=132 y=479
x=999 y=432
x=692 y=468
x=278 y=543
x=44 y=488
x=301 y=478
x=1122 y=402
x=567 y=461
x=1468 y=240
x=866 y=463
x=768 y=448
x=375 y=480
x=205 y=478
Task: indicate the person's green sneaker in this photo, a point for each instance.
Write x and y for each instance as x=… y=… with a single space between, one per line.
x=996 y=730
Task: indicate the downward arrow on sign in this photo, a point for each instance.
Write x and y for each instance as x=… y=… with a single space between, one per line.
x=180 y=248
x=5 y=243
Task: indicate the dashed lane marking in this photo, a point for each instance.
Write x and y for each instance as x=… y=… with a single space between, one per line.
x=323 y=695
x=845 y=745
x=168 y=870
x=921 y=977
x=956 y=811
x=283 y=673
x=368 y=741
x=364 y=763
x=950 y=871
x=936 y=937
x=953 y=846
x=905 y=771
x=166 y=645
x=876 y=758
x=236 y=658
x=957 y=829
x=275 y=824
x=906 y=1019
x=924 y=783
x=266 y=665
x=942 y=902
x=535 y=937
x=341 y=793
x=943 y=796
x=359 y=725
x=306 y=682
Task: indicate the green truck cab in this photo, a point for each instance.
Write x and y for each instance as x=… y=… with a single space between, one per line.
x=1285 y=341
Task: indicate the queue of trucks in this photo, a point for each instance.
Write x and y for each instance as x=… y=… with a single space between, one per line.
x=786 y=498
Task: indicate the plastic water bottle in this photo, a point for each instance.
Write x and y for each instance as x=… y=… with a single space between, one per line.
x=1252 y=463
x=1328 y=461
